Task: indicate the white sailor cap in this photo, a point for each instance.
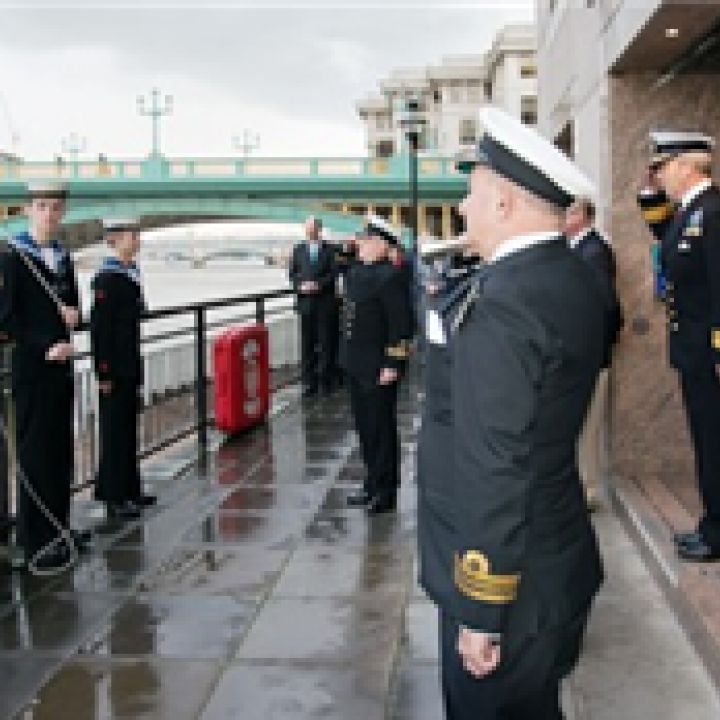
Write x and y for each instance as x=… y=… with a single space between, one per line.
x=525 y=157
x=375 y=225
x=120 y=224
x=49 y=190
x=667 y=144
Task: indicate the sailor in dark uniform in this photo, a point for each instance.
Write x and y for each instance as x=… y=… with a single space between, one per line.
x=507 y=549
x=374 y=346
x=39 y=308
x=683 y=211
x=118 y=306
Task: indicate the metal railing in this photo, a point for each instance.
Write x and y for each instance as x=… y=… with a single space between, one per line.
x=176 y=401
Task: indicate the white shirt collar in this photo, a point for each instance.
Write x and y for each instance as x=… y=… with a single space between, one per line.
x=575 y=240
x=694 y=192
x=522 y=242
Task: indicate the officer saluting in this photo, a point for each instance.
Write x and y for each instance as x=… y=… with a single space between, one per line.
x=690 y=256
x=118 y=305
x=39 y=308
x=375 y=334
x=507 y=549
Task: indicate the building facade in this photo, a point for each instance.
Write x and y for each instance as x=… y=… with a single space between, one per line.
x=610 y=72
x=451 y=93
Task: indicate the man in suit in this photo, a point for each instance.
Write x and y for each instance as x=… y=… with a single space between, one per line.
x=682 y=208
x=507 y=549
x=313 y=276
x=594 y=249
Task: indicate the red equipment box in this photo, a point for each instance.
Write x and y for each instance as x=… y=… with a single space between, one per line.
x=241 y=365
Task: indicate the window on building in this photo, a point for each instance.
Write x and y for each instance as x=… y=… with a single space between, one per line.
x=488 y=88
x=382 y=121
x=455 y=93
x=468 y=131
x=437 y=96
x=384 y=148
x=528 y=70
x=565 y=140
x=475 y=91
x=528 y=109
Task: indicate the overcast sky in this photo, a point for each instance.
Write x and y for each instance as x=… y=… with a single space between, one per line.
x=291 y=71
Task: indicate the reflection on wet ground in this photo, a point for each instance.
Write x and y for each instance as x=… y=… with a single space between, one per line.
x=252 y=591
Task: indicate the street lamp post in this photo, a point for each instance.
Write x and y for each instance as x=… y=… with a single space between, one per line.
x=153 y=108
x=412 y=122
x=73 y=145
x=246 y=143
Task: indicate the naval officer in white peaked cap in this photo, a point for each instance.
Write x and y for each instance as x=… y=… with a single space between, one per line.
x=507 y=549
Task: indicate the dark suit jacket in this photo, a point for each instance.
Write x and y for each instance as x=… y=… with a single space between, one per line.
x=691 y=262
x=595 y=251
x=506 y=543
x=323 y=271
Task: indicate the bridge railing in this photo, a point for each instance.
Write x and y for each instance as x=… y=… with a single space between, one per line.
x=220 y=168
x=177 y=355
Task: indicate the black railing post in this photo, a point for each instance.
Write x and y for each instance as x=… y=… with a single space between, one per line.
x=260 y=311
x=201 y=400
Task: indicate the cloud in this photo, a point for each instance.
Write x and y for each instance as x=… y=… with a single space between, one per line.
x=279 y=70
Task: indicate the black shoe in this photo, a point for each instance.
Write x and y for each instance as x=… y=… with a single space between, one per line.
x=358 y=498
x=382 y=504
x=309 y=392
x=123 y=511
x=53 y=559
x=698 y=552
x=687 y=538
x=145 y=501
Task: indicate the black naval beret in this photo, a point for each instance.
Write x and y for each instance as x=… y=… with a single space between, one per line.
x=522 y=155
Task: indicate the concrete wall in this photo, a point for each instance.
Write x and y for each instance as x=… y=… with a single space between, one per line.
x=648 y=432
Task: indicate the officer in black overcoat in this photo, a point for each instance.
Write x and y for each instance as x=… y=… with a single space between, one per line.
x=115 y=336
x=375 y=336
x=682 y=209
x=39 y=308
x=507 y=550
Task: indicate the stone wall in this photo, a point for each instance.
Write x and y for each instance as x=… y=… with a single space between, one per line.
x=648 y=432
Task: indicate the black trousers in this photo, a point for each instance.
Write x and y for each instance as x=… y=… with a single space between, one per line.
x=118 y=476
x=526 y=686
x=45 y=447
x=701 y=395
x=319 y=340
x=374 y=409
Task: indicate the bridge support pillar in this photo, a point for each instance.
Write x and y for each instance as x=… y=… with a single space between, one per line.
x=395 y=217
x=370 y=209
x=446 y=222
x=422 y=220
x=345 y=209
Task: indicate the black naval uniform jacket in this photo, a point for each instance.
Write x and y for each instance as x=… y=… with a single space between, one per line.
x=595 y=250
x=376 y=321
x=322 y=271
x=43 y=390
x=690 y=256
x=506 y=543
x=115 y=328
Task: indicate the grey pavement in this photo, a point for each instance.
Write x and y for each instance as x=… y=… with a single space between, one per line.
x=253 y=592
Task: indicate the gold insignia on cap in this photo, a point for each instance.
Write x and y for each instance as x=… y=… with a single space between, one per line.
x=657 y=214
x=474 y=579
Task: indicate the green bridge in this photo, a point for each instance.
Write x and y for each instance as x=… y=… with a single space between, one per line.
x=169 y=190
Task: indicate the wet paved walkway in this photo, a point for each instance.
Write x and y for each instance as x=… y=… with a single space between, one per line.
x=252 y=592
